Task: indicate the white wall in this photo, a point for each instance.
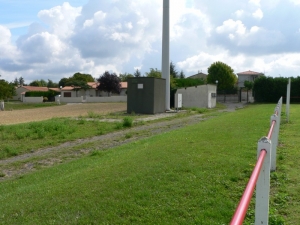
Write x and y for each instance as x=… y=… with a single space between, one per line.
x=91 y=99
x=32 y=99
x=198 y=96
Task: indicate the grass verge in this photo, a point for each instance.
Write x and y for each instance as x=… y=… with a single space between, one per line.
x=15 y=105
x=23 y=138
x=194 y=175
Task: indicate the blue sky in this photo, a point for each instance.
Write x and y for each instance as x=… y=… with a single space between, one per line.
x=55 y=39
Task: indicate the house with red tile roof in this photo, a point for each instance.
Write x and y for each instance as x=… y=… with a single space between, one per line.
x=21 y=90
x=247 y=75
x=71 y=91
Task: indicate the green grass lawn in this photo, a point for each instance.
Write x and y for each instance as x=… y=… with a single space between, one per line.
x=287 y=187
x=23 y=138
x=194 y=175
x=16 y=105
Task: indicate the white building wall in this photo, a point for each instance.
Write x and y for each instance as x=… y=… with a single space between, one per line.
x=199 y=96
x=82 y=99
x=32 y=99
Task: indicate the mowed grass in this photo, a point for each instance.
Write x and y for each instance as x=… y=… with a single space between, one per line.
x=27 y=137
x=16 y=105
x=287 y=188
x=194 y=175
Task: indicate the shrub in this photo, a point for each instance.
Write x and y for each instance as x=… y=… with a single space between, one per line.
x=127 y=122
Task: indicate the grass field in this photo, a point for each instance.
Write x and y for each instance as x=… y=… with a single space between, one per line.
x=194 y=175
x=16 y=105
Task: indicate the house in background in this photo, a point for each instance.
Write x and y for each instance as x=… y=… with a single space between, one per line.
x=249 y=75
x=21 y=90
x=92 y=91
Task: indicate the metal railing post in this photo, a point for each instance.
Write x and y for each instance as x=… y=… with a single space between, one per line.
x=263 y=184
x=287 y=101
x=274 y=141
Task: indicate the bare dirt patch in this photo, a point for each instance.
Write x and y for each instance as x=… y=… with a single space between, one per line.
x=69 y=110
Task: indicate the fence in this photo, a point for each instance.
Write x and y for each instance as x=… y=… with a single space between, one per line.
x=266 y=153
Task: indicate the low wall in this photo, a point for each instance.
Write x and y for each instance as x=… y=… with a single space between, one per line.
x=32 y=99
x=92 y=99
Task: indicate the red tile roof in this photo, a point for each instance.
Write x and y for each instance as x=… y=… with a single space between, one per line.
x=123 y=84
x=55 y=89
x=249 y=72
x=33 y=88
x=93 y=85
x=67 y=88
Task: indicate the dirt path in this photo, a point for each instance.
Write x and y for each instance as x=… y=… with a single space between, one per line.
x=69 y=110
x=39 y=158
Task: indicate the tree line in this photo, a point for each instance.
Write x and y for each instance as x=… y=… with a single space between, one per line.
x=110 y=81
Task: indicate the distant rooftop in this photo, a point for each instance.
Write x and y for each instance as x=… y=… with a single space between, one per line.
x=249 y=72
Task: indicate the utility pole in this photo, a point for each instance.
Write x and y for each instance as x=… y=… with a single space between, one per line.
x=165 y=65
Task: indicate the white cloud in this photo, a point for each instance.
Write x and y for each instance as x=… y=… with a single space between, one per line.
x=296 y=2
x=7 y=49
x=124 y=35
x=61 y=19
x=258 y=14
x=273 y=65
x=232 y=26
x=239 y=13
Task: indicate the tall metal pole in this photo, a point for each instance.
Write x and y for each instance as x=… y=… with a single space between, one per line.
x=165 y=64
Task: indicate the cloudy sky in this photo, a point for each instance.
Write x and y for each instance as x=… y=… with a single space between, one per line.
x=55 y=39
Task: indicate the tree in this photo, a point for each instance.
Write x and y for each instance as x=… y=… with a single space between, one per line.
x=124 y=77
x=109 y=82
x=219 y=71
x=75 y=78
x=137 y=73
x=181 y=75
x=248 y=85
x=51 y=84
x=83 y=77
x=153 y=73
x=38 y=83
x=16 y=82
x=21 y=81
x=173 y=71
x=7 y=90
x=62 y=82
x=35 y=83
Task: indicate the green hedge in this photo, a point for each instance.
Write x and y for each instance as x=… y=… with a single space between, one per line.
x=49 y=94
x=270 y=89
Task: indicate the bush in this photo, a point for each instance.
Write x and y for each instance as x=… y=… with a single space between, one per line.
x=127 y=122
x=50 y=95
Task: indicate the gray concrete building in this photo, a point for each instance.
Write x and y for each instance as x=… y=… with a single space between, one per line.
x=202 y=96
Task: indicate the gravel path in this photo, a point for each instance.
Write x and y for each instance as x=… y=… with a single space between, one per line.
x=69 y=110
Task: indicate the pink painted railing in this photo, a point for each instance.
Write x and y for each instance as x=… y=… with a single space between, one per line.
x=261 y=177
x=242 y=208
